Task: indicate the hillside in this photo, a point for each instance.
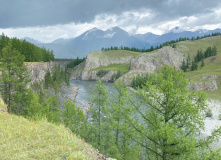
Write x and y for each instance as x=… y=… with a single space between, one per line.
x=112 y=62
x=212 y=64
x=135 y=63
x=24 y=139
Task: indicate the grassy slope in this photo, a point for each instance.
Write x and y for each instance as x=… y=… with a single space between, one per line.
x=114 y=67
x=212 y=64
x=24 y=139
x=113 y=55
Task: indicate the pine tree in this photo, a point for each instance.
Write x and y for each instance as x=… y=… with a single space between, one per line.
x=14 y=78
x=183 y=67
x=188 y=61
x=202 y=63
x=54 y=114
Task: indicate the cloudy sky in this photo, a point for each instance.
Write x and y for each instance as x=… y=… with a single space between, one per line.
x=47 y=20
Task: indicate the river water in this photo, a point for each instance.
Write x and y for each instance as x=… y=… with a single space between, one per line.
x=84 y=88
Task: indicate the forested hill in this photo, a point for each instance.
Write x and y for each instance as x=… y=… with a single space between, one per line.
x=31 y=52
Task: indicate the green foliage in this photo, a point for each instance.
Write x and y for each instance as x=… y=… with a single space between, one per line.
x=14 y=78
x=31 y=52
x=33 y=109
x=194 y=66
x=169 y=118
x=202 y=63
x=75 y=62
x=74 y=118
x=102 y=73
x=209 y=113
x=219 y=116
x=54 y=113
x=140 y=80
x=184 y=66
x=98 y=99
x=125 y=146
x=56 y=78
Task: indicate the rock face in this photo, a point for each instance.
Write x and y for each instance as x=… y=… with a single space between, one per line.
x=150 y=62
x=38 y=70
x=202 y=86
x=102 y=59
x=146 y=62
x=94 y=75
x=62 y=63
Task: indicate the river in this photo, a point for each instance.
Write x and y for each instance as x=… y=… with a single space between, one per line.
x=84 y=88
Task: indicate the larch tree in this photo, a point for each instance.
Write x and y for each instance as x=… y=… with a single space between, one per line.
x=170 y=118
x=98 y=99
x=126 y=149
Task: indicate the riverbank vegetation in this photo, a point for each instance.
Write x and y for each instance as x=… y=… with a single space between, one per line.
x=161 y=121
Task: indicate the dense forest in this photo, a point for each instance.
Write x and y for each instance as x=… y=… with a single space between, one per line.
x=31 y=52
x=31 y=101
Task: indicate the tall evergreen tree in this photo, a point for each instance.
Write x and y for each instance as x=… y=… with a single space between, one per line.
x=14 y=78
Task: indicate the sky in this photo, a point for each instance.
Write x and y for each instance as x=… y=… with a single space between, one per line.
x=48 y=20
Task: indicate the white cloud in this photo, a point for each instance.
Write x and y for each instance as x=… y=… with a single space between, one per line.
x=140 y=21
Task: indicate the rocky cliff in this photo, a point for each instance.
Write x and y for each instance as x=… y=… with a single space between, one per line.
x=210 y=85
x=146 y=62
x=37 y=70
x=149 y=62
x=89 y=70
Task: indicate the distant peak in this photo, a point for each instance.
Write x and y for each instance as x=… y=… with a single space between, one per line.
x=93 y=29
x=177 y=30
x=115 y=29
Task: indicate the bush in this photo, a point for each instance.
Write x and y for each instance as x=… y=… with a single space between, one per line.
x=220 y=116
x=140 y=80
x=209 y=113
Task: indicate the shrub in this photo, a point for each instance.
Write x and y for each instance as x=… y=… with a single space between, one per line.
x=209 y=113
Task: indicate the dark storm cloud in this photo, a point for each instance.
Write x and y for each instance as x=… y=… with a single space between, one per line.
x=22 y=13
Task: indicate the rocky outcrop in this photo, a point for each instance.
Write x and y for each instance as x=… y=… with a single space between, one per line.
x=203 y=86
x=146 y=62
x=95 y=75
x=37 y=70
x=62 y=63
x=211 y=85
x=149 y=62
x=98 y=59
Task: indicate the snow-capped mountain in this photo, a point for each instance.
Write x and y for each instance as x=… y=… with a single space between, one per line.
x=95 y=39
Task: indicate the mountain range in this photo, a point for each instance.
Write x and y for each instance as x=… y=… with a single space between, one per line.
x=95 y=39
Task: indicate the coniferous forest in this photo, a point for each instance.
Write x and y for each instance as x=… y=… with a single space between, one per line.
x=31 y=52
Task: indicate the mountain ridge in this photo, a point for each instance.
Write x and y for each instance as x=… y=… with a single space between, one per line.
x=95 y=39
